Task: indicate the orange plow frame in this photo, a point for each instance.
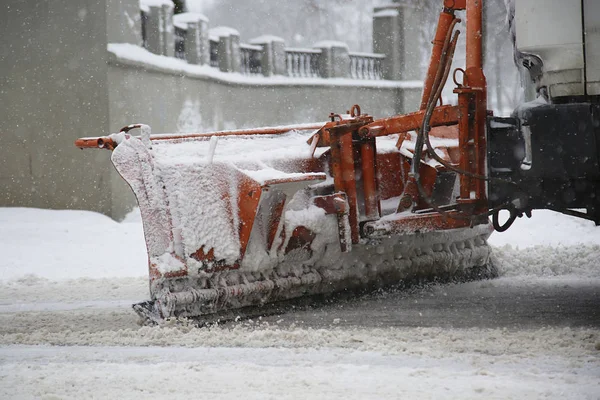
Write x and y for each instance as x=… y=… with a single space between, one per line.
x=433 y=176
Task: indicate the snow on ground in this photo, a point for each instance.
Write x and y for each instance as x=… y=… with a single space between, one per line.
x=548 y=244
x=67 y=279
x=548 y=228
x=61 y=245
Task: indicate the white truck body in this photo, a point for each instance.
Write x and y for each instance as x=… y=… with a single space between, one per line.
x=565 y=35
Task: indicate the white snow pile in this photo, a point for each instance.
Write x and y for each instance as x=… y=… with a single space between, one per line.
x=183 y=19
x=548 y=244
x=61 y=245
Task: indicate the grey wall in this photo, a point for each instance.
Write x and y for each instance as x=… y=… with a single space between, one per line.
x=123 y=21
x=53 y=90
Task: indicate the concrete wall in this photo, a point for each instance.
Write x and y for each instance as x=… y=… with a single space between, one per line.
x=123 y=21
x=53 y=90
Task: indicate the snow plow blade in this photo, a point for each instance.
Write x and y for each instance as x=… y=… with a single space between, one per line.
x=247 y=218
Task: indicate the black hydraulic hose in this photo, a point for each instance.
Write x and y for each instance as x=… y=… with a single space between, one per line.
x=509 y=221
x=414 y=170
x=448 y=54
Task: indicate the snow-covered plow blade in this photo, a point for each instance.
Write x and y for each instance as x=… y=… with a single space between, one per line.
x=245 y=218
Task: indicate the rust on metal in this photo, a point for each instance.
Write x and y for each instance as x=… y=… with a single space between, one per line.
x=301 y=238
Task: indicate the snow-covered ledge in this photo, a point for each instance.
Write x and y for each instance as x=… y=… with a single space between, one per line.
x=129 y=55
x=159 y=28
x=228 y=47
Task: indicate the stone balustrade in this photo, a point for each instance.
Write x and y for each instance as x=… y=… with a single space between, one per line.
x=186 y=36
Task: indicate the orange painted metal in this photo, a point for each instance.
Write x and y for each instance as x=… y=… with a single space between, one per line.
x=240 y=132
x=103 y=142
x=344 y=174
x=428 y=177
x=348 y=180
x=107 y=142
x=301 y=238
x=392 y=169
x=314 y=177
x=369 y=179
x=464 y=129
x=444 y=25
x=443 y=115
x=204 y=256
x=472 y=101
x=474 y=34
x=401 y=138
x=455 y=4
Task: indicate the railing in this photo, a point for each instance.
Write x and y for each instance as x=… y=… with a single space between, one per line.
x=251 y=59
x=302 y=63
x=214 y=53
x=366 y=66
x=144 y=21
x=180 y=35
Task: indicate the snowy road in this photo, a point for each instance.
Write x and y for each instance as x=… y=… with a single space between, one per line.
x=533 y=333
x=499 y=303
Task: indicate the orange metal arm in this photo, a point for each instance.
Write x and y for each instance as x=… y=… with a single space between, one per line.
x=445 y=24
x=456 y=5
x=444 y=115
x=103 y=142
x=106 y=142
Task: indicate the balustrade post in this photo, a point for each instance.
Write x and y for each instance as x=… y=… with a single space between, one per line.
x=203 y=42
x=228 y=48
x=395 y=34
x=154 y=28
x=334 y=61
x=197 y=49
x=273 y=54
x=168 y=37
x=192 y=43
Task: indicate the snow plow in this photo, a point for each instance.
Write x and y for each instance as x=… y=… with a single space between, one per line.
x=245 y=218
